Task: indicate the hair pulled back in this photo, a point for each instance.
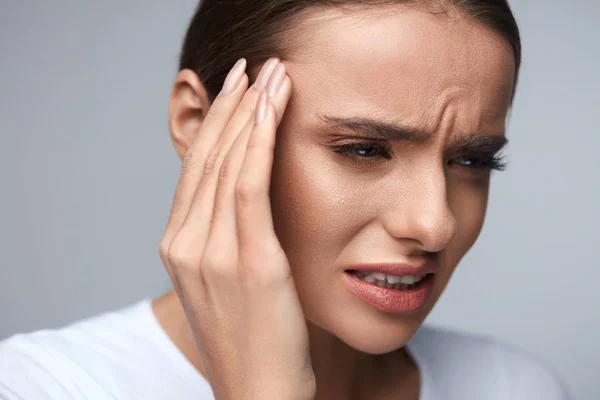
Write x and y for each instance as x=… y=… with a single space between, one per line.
x=222 y=31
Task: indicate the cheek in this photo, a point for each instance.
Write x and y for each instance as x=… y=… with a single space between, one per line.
x=309 y=206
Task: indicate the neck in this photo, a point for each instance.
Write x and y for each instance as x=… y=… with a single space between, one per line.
x=341 y=371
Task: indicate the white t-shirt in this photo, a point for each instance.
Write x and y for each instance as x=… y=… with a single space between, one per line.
x=125 y=354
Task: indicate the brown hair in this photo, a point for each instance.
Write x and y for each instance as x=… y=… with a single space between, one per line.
x=222 y=31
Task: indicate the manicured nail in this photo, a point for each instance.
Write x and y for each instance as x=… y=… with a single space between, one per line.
x=276 y=79
x=261 y=107
x=234 y=76
x=265 y=73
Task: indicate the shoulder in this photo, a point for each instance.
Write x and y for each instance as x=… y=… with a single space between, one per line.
x=74 y=361
x=460 y=362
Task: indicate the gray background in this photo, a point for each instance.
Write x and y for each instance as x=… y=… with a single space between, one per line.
x=88 y=174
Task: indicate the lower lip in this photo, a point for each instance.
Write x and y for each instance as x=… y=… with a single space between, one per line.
x=391 y=300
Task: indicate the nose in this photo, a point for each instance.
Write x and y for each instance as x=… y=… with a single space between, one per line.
x=421 y=213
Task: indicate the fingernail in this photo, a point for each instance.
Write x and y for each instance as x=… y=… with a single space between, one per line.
x=276 y=79
x=261 y=107
x=234 y=76
x=265 y=73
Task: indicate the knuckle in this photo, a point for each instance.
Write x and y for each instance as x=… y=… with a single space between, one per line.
x=254 y=142
x=247 y=191
x=212 y=161
x=264 y=274
x=163 y=248
x=220 y=263
x=265 y=265
x=271 y=249
x=182 y=257
x=189 y=161
x=225 y=169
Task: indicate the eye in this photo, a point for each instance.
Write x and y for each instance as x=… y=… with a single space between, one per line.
x=364 y=150
x=374 y=152
x=481 y=162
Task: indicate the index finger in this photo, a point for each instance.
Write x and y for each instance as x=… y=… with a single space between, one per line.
x=214 y=123
x=253 y=208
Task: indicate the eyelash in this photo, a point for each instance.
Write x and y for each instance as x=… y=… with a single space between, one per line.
x=482 y=161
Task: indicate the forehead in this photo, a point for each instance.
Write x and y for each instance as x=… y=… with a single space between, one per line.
x=403 y=64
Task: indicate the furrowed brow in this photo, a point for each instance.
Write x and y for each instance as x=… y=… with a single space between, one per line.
x=482 y=143
x=382 y=130
x=376 y=129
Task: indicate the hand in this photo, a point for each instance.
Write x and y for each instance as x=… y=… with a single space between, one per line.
x=223 y=256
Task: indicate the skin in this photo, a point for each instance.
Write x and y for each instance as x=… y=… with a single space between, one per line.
x=445 y=75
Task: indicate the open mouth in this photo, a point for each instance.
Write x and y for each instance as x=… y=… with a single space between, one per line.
x=407 y=282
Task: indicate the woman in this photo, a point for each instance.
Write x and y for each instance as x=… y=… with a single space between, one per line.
x=332 y=180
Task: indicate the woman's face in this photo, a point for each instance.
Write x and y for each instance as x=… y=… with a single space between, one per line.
x=450 y=78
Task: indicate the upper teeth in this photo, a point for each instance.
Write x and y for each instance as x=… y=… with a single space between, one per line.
x=393 y=279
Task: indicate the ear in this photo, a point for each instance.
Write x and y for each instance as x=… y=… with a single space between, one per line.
x=188 y=107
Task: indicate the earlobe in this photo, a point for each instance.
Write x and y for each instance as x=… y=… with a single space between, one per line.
x=188 y=106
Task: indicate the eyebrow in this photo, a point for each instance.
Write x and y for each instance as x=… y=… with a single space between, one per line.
x=382 y=130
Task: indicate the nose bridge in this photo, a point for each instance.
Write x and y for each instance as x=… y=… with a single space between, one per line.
x=421 y=210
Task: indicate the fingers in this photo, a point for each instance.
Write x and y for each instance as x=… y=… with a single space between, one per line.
x=216 y=120
x=225 y=117
x=224 y=228
x=193 y=232
x=242 y=114
x=256 y=234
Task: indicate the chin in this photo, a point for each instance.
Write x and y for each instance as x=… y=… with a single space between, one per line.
x=379 y=337
x=376 y=345
x=370 y=331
